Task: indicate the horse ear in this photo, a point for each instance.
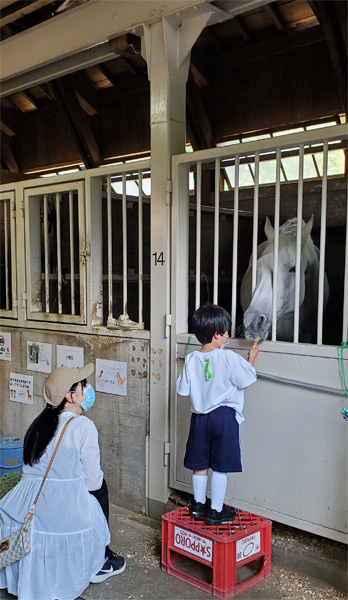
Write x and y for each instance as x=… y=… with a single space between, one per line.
x=269 y=231
x=306 y=230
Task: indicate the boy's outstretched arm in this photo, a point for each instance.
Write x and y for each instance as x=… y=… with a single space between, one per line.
x=253 y=352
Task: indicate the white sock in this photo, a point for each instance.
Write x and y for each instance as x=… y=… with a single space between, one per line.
x=218 y=489
x=199 y=483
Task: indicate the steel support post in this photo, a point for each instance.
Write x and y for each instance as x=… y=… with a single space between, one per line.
x=168 y=47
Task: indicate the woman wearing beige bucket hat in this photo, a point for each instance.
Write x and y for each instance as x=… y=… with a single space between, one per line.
x=69 y=532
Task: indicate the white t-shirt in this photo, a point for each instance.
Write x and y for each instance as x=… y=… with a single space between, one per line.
x=231 y=374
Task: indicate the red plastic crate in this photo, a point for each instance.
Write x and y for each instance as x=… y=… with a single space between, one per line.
x=223 y=560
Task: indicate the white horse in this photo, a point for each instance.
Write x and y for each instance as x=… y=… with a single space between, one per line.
x=257 y=307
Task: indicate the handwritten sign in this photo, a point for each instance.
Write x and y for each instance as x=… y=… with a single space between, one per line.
x=111 y=377
x=21 y=388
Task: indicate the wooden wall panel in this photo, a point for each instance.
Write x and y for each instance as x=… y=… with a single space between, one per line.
x=280 y=90
x=125 y=125
x=47 y=141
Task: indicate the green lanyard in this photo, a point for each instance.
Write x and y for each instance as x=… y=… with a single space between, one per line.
x=208 y=371
x=341 y=364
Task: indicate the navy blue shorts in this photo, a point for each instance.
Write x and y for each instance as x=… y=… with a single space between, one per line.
x=213 y=442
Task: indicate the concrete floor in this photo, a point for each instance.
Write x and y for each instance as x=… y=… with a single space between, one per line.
x=138 y=539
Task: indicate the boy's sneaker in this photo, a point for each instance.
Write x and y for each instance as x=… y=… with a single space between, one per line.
x=225 y=515
x=198 y=509
x=113 y=566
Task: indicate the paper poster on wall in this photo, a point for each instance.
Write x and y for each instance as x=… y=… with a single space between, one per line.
x=5 y=346
x=39 y=357
x=21 y=388
x=111 y=377
x=70 y=356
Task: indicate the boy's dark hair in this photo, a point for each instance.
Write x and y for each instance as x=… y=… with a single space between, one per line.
x=210 y=319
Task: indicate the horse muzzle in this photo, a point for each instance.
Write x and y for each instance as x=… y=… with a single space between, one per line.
x=256 y=327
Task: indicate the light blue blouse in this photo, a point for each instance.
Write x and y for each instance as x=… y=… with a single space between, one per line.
x=69 y=531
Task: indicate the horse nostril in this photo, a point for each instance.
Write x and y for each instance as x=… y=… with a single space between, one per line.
x=260 y=321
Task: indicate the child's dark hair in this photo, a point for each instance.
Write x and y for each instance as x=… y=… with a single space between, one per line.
x=210 y=319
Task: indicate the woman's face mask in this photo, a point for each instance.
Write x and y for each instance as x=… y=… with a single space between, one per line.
x=90 y=397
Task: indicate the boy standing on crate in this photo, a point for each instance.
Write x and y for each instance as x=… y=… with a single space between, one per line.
x=214 y=379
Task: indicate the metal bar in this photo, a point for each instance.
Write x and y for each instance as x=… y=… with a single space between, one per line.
x=124 y=240
x=276 y=247
x=13 y=257
x=198 y=234
x=303 y=384
x=71 y=239
x=287 y=142
x=345 y=296
x=298 y=245
x=7 y=287
x=140 y=248
x=255 y=223
x=109 y=218
x=47 y=253
x=216 y=231
x=321 y=284
x=235 y=247
x=59 y=254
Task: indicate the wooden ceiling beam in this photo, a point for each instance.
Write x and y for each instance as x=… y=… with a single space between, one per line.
x=6 y=129
x=243 y=28
x=126 y=44
x=6 y=3
x=128 y=47
x=199 y=69
x=102 y=67
x=209 y=35
x=78 y=122
x=277 y=17
x=24 y=10
x=200 y=125
x=9 y=123
x=87 y=95
x=7 y=156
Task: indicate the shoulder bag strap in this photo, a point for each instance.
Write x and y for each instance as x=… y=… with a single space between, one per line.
x=30 y=513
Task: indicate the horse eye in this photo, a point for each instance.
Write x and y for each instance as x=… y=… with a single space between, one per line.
x=292 y=270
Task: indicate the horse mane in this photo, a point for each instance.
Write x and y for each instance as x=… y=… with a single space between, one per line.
x=290 y=227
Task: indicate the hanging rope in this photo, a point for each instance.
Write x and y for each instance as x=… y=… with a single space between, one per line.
x=341 y=366
x=188 y=346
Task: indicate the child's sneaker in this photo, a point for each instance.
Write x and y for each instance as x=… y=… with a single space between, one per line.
x=113 y=566
x=198 y=509
x=225 y=515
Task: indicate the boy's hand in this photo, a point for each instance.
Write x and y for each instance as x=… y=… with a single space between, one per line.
x=253 y=352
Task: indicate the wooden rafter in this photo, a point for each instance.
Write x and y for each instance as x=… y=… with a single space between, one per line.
x=86 y=94
x=24 y=10
x=209 y=35
x=199 y=69
x=199 y=123
x=277 y=17
x=6 y=3
x=243 y=28
x=128 y=47
x=7 y=156
x=78 y=121
x=8 y=123
x=6 y=129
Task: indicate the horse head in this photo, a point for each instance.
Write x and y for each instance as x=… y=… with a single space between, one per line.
x=258 y=306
